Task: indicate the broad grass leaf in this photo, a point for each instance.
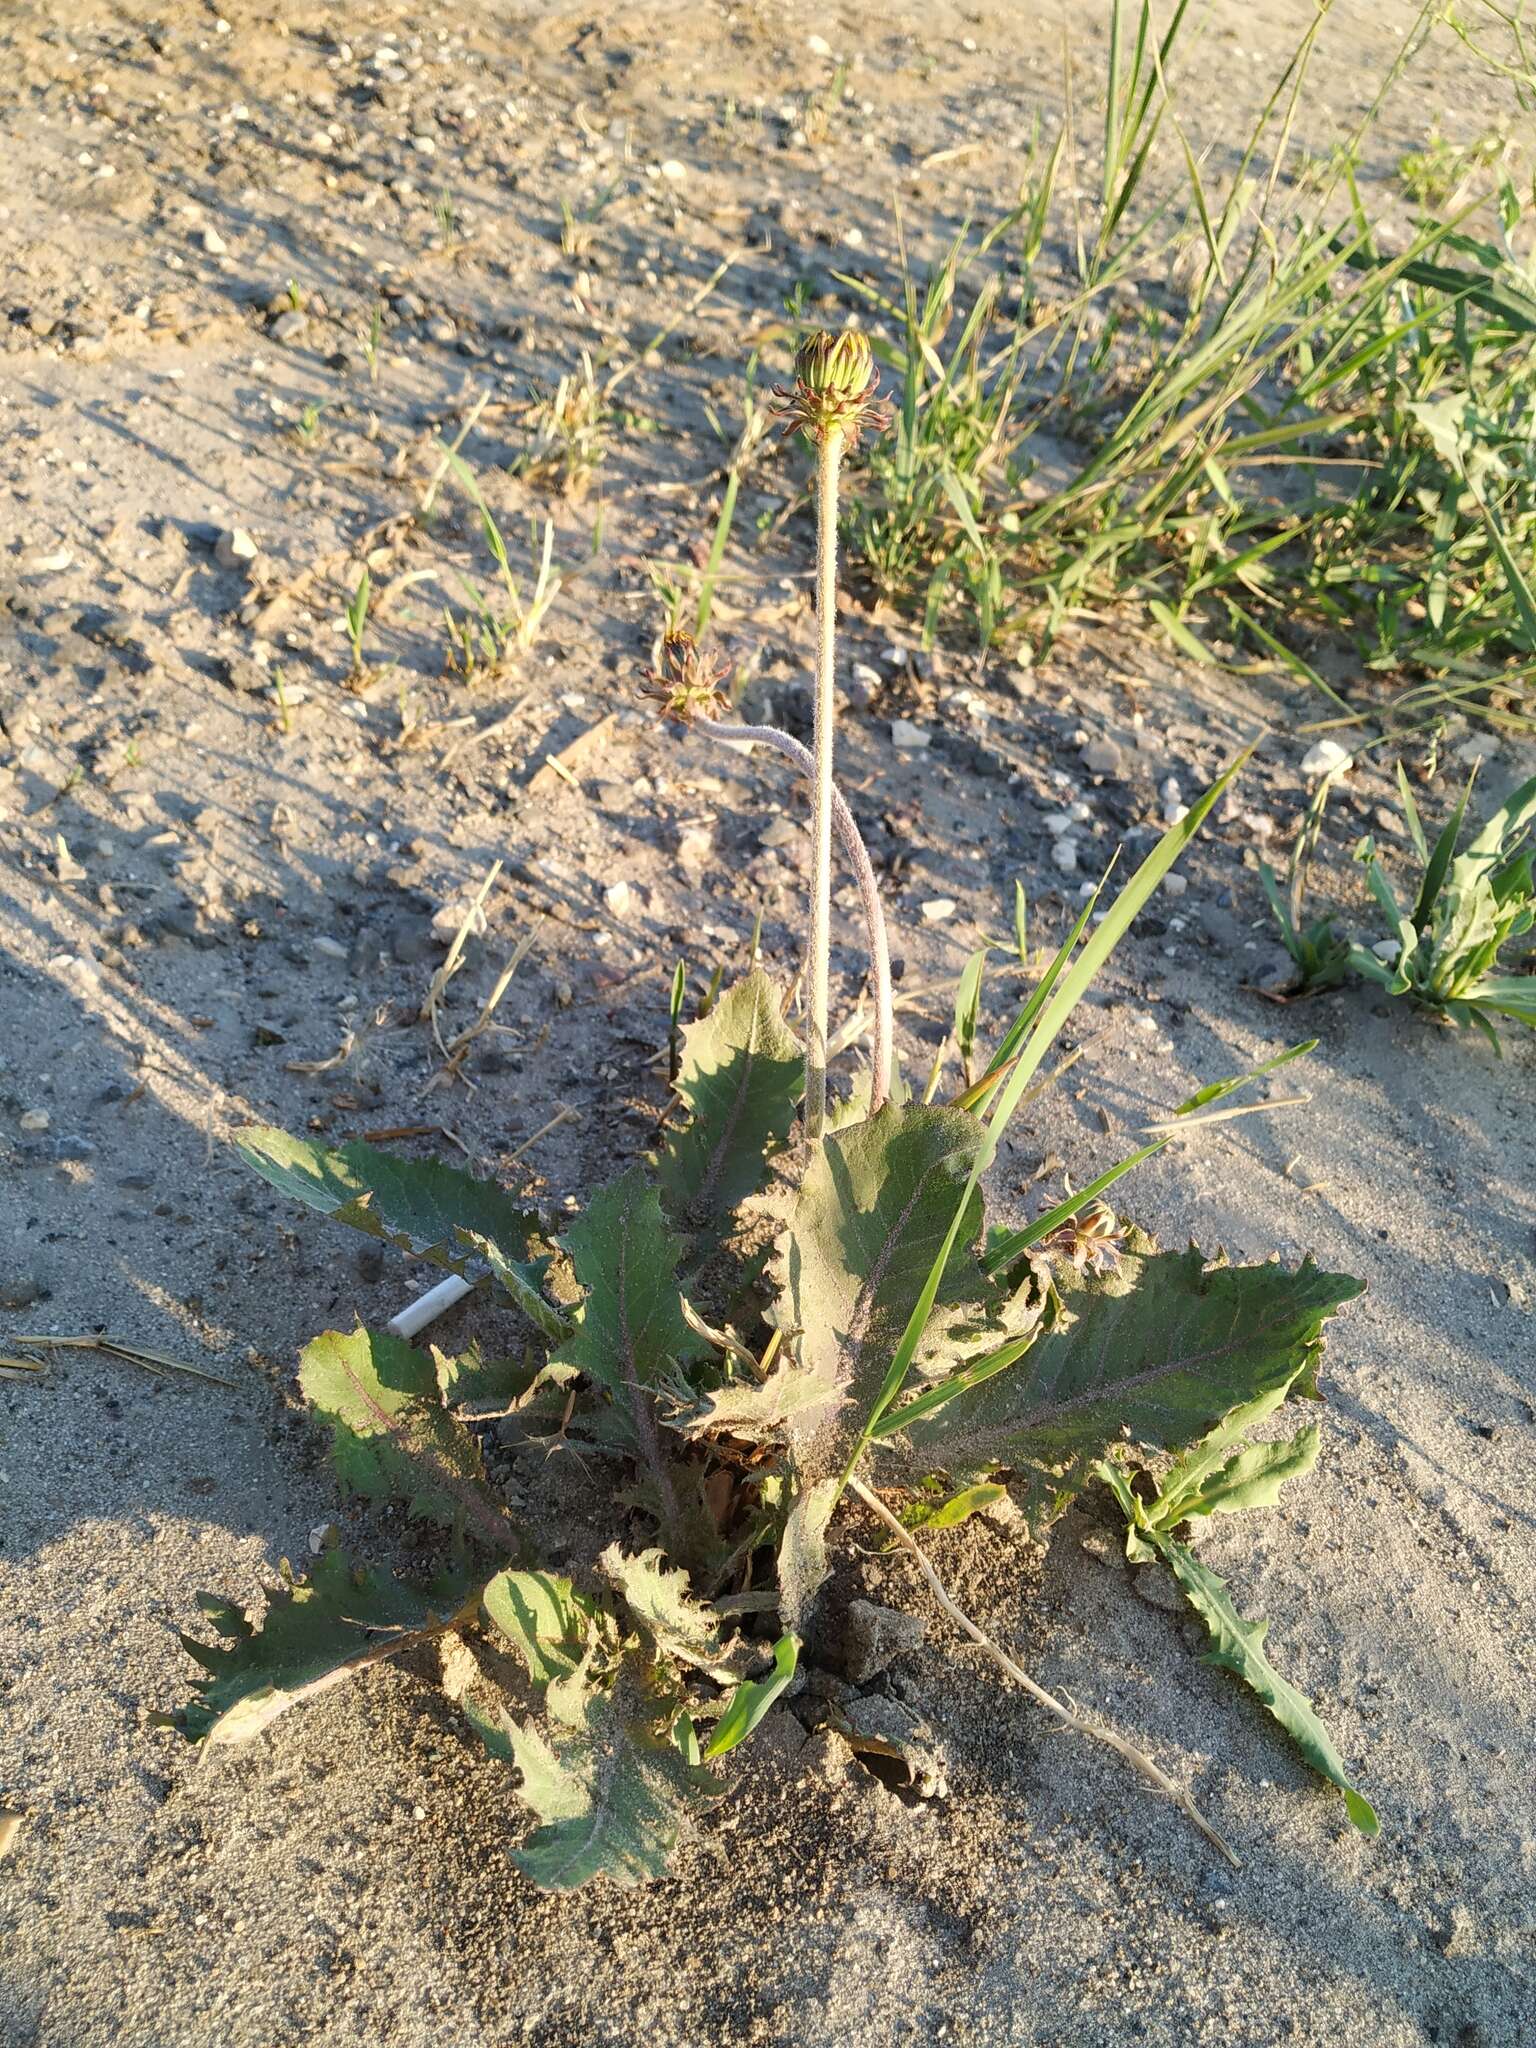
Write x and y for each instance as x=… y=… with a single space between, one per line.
x=315 y=1633
x=752 y=1699
x=1156 y=1351
x=742 y=1074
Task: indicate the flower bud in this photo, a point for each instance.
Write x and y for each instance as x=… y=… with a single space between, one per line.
x=835 y=366
x=835 y=388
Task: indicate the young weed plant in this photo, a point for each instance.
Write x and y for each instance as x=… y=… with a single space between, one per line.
x=1445 y=954
x=768 y=1324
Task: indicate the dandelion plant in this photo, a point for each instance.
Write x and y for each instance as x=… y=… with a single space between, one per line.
x=788 y=1314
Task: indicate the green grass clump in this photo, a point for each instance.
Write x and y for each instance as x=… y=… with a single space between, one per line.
x=1242 y=411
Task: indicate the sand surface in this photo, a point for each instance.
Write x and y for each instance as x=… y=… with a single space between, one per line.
x=240 y=925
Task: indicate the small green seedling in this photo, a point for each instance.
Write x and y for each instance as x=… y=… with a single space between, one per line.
x=1470 y=906
x=485 y=636
x=357 y=620
x=1319 y=949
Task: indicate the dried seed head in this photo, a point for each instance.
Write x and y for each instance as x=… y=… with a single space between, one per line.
x=836 y=386
x=1092 y=1240
x=687 y=683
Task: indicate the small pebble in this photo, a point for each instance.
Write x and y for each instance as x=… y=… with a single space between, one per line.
x=909 y=737
x=1326 y=757
x=1064 y=853
x=214 y=242
x=619 y=897
x=1101 y=757
x=289 y=326
x=937 y=908
x=1175 y=885
x=35 y=1119
x=232 y=550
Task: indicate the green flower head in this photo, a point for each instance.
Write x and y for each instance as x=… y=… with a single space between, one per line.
x=836 y=387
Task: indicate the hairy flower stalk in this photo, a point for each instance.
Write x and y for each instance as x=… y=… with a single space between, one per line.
x=690 y=686
x=833 y=396
x=864 y=874
x=828 y=461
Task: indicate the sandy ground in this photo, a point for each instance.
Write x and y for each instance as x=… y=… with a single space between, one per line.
x=209 y=918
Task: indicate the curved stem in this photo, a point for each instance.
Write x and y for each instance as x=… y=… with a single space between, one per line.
x=818 y=951
x=1069 y=1717
x=864 y=874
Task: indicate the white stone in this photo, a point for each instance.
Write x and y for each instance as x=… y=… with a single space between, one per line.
x=1386 y=950
x=1064 y=853
x=909 y=737
x=673 y=171
x=937 y=908
x=619 y=896
x=235 y=548
x=1175 y=885
x=214 y=242
x=1325 y=757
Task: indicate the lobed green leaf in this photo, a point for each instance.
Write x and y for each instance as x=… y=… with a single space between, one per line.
x=1155 y=1351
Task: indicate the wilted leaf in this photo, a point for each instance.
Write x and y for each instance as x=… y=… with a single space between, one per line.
x=608 y=1785
x=392 y=1438
x=1156 y=1351
x=662 y=1602
x=315 y=1632
x=802 y=1556
x=418 y=1205
x=742 y=1074
x=761 y=1411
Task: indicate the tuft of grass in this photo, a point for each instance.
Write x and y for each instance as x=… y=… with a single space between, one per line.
x=486 y=634
x=1237 y=411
